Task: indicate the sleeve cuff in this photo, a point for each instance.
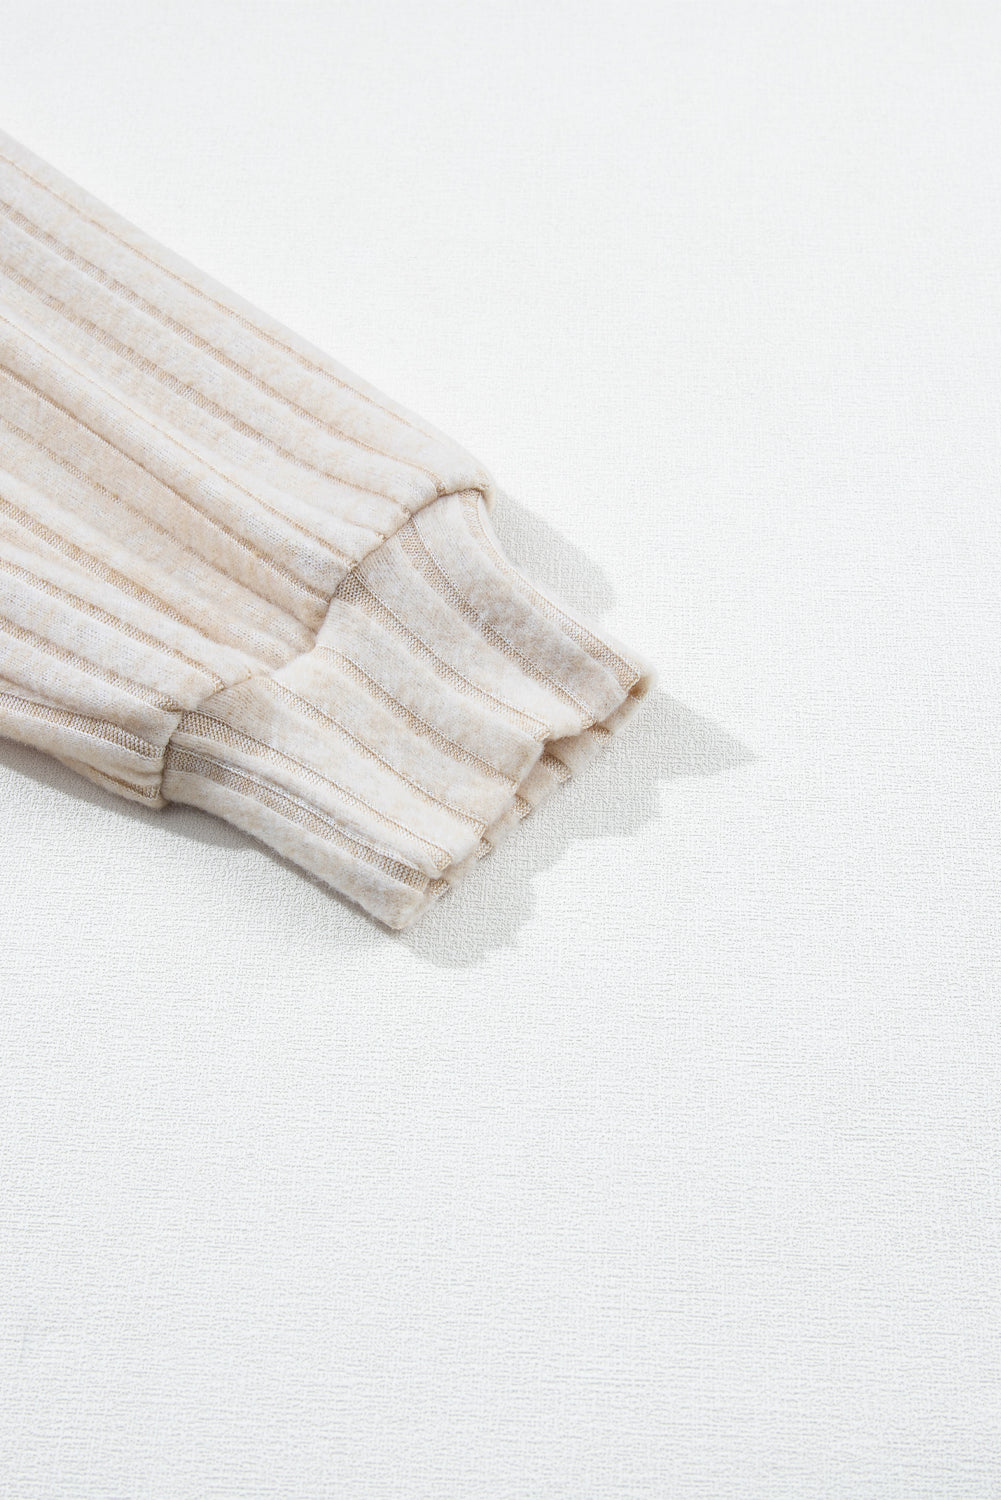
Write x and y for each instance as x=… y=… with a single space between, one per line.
x=445 y=697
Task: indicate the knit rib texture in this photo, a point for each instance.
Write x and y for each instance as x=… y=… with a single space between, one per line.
x=233 y=574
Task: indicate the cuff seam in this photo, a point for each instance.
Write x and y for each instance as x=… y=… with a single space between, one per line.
x=418 y=769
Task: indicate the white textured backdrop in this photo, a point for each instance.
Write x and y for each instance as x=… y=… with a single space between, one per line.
x=663 y=1159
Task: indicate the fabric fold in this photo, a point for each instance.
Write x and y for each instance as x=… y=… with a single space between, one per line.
x=234 y=574
x=444 y=699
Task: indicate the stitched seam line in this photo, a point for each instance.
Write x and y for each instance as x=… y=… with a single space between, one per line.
x=414 y=721
x=207 y=726
x=313 y=711
x=188 y=393
x=128 y=294
x=273 y=567
x=118 y=400
x=63 y=653
x=122 y=626
x=147 y=793
x=295 y=809
x=86 y=559
x=244 y=322
x=354 y=591
x=624 y=672
x=95 y=728
x=415 y=545
x=95 y=484
x=127 y=585
x=555 y=766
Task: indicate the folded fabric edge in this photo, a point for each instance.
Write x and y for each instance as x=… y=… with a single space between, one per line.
x=446 y=696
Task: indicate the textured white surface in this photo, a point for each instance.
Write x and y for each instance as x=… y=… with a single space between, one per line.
x=662 y=1159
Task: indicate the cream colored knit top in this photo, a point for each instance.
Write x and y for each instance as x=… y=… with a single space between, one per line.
x=233 y=574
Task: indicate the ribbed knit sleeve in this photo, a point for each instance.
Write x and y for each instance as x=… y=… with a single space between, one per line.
x=235 y=575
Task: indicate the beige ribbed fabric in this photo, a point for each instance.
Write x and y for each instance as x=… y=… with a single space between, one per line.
x=235 y=575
